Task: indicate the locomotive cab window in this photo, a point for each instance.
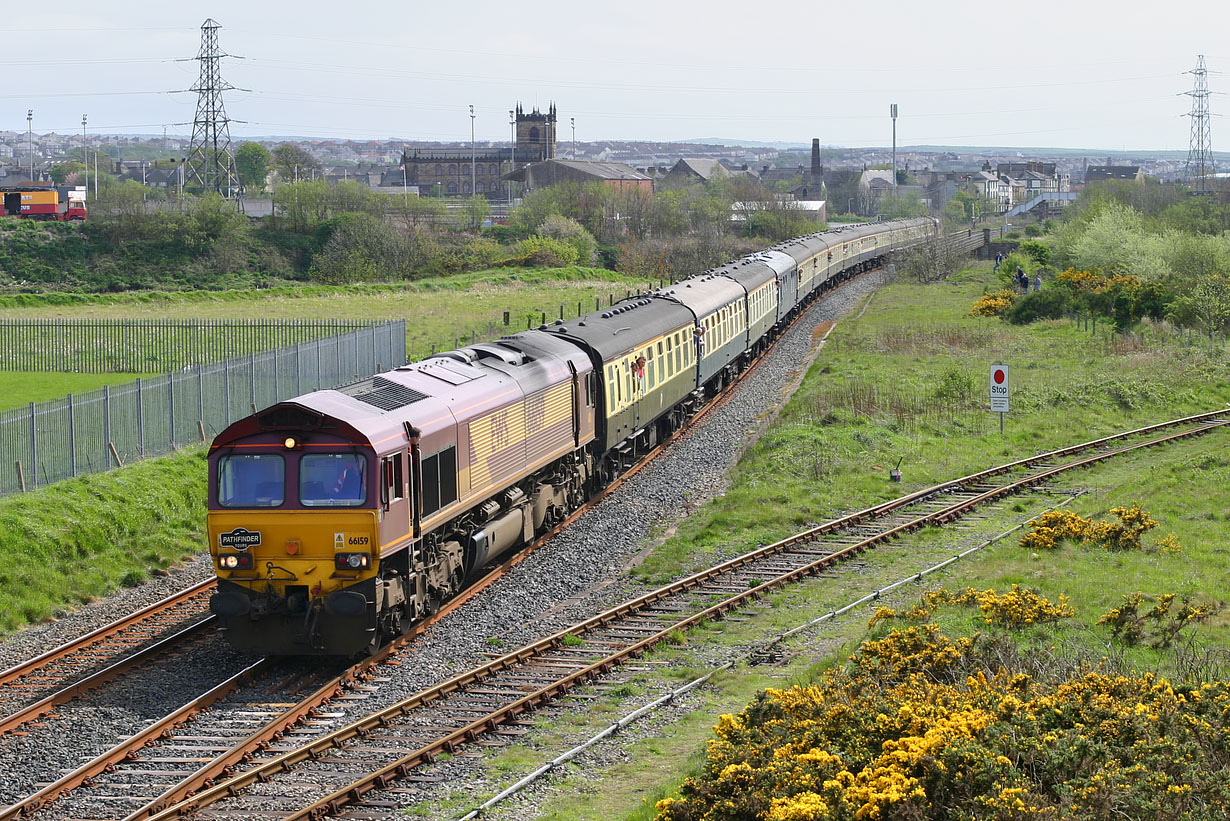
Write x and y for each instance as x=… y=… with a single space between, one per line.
x=252 y=480
x=392 y=479
x=332 y=480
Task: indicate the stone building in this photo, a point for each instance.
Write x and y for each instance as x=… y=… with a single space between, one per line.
x=447 y=171
x=614 y=175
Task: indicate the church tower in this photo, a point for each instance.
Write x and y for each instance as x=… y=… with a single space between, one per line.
x=535 y=134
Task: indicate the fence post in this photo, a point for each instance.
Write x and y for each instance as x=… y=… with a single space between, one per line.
x=171 y=402
x=252 y=379
x=106 y=421
x=140 y=418
x=298 y=389
x=200 y=398
x=72 y=438
x=33 y=449
x=226 y=392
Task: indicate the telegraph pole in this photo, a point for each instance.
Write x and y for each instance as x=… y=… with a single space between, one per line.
x=85 y=156
x=1200 y=150
x=893 y=111
x=574 y=137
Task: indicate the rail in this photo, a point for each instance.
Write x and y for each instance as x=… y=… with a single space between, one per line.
x=637 y=623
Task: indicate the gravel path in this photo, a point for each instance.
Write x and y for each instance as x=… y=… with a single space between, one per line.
x=570 y=578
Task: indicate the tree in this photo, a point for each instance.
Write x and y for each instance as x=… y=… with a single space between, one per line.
x=252 y=163
x=931 y=261
x=476 y=210
x=902 y=204
x=572 y=232
x=293 y=163
x=62 y=173
x=966 y=207
x=415 y=212
x=1206 y=305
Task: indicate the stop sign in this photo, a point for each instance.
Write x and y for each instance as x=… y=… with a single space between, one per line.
x=999 y=388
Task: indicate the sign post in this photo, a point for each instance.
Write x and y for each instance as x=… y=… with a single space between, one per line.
x=999 y=393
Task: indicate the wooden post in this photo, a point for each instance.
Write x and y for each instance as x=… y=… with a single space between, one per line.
x=21 y=477
x=115 y=455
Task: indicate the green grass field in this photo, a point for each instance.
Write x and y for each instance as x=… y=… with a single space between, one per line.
x=438 y=310
x=18 y=389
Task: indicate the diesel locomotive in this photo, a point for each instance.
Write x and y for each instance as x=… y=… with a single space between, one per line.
x=338 y=518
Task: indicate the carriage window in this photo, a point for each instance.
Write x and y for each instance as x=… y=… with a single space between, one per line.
x=332 y=480
x=252 y=480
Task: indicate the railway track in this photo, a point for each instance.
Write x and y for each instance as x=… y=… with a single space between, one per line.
x=319 y=769
x=185 y=750
x=36 y=687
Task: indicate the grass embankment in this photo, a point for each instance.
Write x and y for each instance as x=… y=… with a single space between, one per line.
x=909 y=379
x=81 y=539
x=438 y=309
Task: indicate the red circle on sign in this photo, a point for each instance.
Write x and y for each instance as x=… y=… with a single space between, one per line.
x=999 y=377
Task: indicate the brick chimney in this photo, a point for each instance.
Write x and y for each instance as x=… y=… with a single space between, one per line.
x=815 y=157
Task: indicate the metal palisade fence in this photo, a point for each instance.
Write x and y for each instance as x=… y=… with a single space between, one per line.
x=106 y=428
x=151 y=345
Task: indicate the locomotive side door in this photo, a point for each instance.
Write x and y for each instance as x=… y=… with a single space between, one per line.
x=395 y=522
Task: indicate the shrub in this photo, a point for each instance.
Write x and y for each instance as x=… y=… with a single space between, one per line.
x=956 y=742
x=1054 y=527
x=1049 y=303
x=572 y=232
x=539 y=250
x=1033 y=231
x=993 y=304
x=1130 y=626
x=956 y=384
x=1017 y=259
x=1039 y=251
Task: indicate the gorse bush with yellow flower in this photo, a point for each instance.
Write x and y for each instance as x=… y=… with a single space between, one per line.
x=1014 y=609
x=992 y=304
x=921 y=726
x=1159 y=625
x=1053 y=528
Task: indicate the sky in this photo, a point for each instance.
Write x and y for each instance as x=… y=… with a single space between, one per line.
x=1065 y=74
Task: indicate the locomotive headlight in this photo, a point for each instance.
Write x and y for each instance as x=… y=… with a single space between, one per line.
x=228 y=562
x=290 y=443
x=235 y=561
x=352 y=561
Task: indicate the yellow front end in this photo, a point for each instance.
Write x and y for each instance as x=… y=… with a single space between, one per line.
x=295 y=581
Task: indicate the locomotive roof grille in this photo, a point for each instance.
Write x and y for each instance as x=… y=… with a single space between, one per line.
x=382 y=393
